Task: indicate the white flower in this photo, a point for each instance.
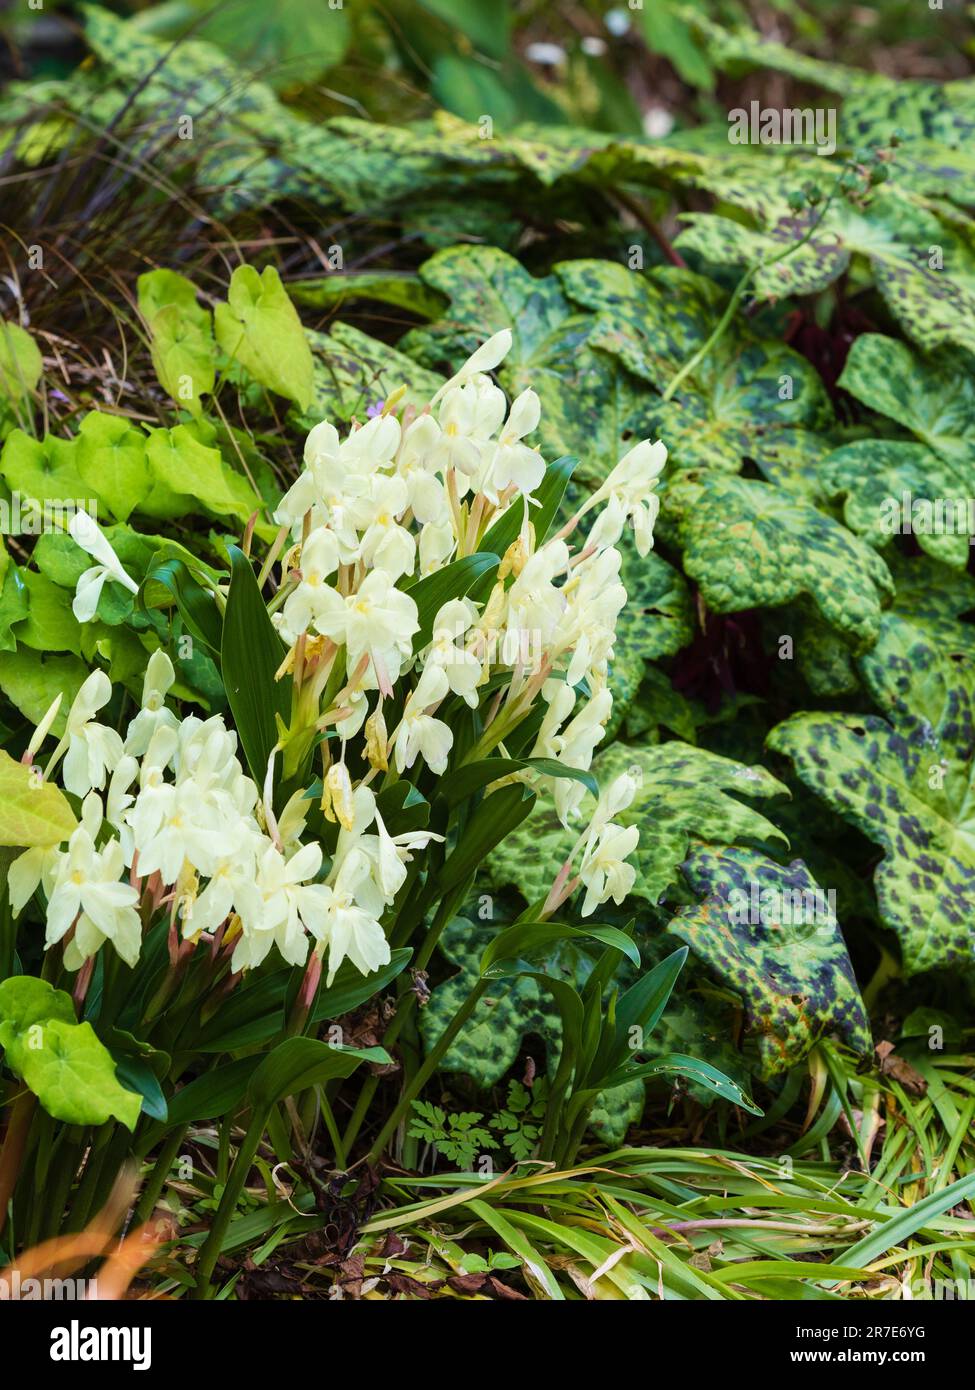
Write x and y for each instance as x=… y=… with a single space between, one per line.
x=374 y=445
x=561 y=699
x=173 y=824
x=461 y=667
x=488 y=356
x=417 y=467
x=419 y=732
x=314 y=597
x=377 y=621
x=382 y=857
x=437 y=542
x=575 y=747
x=514 y=462
x=385 y=544
x=159 y=679
x=88 y=882
x=535 y=603
x=469 y=416
x=279 y=905
x=84 y=531
x=334 y=477
x=603 y=870
x=594 y=599
x=119 y=798
x=93 y=750
x=216 y=902
x=348 y=930
x=630 y=488
x=35 y=867
x=207 y=753
x=617 y=797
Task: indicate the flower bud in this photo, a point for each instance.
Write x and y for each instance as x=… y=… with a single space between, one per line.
x=337 y=803
x=377 y=740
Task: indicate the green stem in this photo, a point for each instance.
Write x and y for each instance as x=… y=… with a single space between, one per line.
x=12 y=1153
x=211 y=1247
x=328 y=1115
x=722 y=324
x=161 y=1169
x=56 y=1192
x=888 y=969
x=717 y=333
x=414 y=1087
x=574 y=1137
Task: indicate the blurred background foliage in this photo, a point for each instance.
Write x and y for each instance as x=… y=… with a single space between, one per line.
x=627 y=68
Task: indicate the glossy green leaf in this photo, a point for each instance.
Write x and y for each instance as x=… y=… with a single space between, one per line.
x=250 y=654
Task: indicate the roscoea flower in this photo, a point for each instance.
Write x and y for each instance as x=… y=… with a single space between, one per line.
x=84 y=531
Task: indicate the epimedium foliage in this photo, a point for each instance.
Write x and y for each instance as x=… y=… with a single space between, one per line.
x=784 y=639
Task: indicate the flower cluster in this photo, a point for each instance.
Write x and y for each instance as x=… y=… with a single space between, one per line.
x=169 y=815
x=169 y=818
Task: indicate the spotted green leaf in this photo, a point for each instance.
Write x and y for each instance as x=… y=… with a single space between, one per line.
x=746 y=398
x=906 y=783
x=592 y=406
x=890 y=487
x=353 y=372
x=769 y=933
x=490 y=1043
x=931 y=397
x=659 y=617
x=751 y=545
x=901 y=243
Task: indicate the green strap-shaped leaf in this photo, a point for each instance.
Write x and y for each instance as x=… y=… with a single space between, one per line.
x=690 y=1069
x=250 y=654
x=298 y=1063
x=529 y=939
x=196 y=604
x=453 y=581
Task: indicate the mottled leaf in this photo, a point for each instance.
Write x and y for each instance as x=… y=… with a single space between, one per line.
x=751 y=545
x=769 y=932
